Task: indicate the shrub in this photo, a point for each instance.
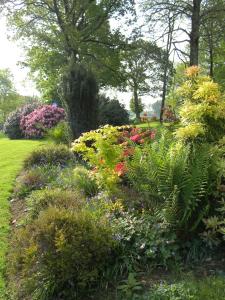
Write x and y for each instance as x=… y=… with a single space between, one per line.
x=61 y=255
x=38 y=201
x=107 y=148
x=50 y=155
x=202 y=112
x=112 y=112
x=12 y=125
x=60 y=134
x=40 y=120
x=144 y=240
x=35 y=179
x=85 y=182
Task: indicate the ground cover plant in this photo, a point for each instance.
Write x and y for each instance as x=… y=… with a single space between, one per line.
x=12 y=154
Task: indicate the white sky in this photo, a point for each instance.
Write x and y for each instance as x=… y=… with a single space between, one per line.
x=10 y=55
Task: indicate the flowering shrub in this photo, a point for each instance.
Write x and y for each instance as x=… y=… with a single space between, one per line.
x=202 y=113
x=107 y=149
x=12 y=125
x=40 y=120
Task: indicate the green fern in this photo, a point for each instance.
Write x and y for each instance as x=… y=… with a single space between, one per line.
x=174 y=179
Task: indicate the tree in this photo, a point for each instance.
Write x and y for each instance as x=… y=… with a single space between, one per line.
x=9 y=99
x=156 y=107
x=133 y=107
x=189 y=16
x=79 y=94
x=69 y=32
x=6 y=84
x=212 y=37
x=111 y=112
x=141 y=69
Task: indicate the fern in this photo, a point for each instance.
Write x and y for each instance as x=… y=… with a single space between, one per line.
x=174 y=178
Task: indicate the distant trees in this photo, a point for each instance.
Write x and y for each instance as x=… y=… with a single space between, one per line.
x=9 y=98
x=141 y=67
x=134 y=108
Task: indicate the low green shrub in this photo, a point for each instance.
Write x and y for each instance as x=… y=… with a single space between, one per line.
x=61 y=255
x=84 y=181
x=60 y=134
x=35 y=179
x=144 y=241
x=50 y=155
x=38 y=201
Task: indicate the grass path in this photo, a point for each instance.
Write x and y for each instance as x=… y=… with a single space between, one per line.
x=12 y=154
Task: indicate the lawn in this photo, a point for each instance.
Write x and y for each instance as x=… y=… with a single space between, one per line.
x=12 y=154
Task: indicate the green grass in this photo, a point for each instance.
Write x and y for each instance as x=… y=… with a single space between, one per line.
x=188 y=288
x=155 y=124
x=12 y=154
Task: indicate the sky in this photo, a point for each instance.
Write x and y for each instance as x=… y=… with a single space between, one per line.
x=10 y=56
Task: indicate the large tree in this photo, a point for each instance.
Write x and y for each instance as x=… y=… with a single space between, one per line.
x=212 y=37
x=189 y=15
x=60 y=33
x=141 y=68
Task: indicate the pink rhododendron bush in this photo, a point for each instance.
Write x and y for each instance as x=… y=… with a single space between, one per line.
x=40 y=120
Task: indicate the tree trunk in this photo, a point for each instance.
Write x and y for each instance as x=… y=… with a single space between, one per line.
x=80 y=98
x=194 y=36
x=211 y=61
x=136 y=104
x=166 y=66
x=165 y=79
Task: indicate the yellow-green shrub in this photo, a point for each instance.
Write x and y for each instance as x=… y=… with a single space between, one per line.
x=61 y=255
x=50 y=155
x=100 y=148
x=84 y=181
x=203 y=110
x=38 y=201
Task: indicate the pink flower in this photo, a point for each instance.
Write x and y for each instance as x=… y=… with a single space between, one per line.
x=135 y=138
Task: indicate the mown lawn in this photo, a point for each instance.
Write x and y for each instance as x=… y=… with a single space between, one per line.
x=12 y=154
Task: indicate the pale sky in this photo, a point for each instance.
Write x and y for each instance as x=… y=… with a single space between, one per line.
x=10 y=55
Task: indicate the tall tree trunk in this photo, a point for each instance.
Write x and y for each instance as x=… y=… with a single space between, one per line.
x=194 y=36
x=166 y=66
x=165 y=79
x=136 y=103
x=211 y=61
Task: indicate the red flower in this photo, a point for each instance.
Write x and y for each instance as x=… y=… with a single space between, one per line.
x=120 y=169
x=135 y=138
